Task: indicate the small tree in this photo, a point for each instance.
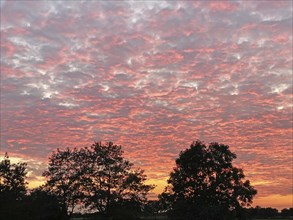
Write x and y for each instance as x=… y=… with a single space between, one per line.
x=205 y=185
x=12 y=188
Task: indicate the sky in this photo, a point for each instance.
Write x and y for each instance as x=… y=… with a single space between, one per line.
x=152 y=76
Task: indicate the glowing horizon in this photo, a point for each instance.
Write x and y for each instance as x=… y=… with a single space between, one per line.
x=151 y=76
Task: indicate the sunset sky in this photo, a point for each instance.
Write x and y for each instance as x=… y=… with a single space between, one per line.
x=151 y=76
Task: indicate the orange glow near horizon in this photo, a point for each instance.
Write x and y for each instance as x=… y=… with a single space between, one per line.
x=274 y=200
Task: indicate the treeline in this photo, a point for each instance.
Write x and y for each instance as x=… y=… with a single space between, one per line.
x=96 y=179
x=268 y=213
x=100 y=183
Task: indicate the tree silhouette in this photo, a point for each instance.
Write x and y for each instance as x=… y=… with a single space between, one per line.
x=287 y=212
x=12 y=188
x=65 y=178
x=205 y=185
x=41 y=205
x=259 y=212
x=98 y=178
x=112 y=182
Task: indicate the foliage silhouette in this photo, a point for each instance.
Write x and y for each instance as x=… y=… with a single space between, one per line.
x=65 y=178
x=41 y=205
x=12 y=188
x=152 y=208
x=205 y=185
x=259 y=212
x=12 y=178
x=287 y=212
x=99 y=178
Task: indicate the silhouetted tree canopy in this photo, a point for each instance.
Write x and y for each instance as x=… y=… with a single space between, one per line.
x=12 y=188
x=259 y=212
x=205 y=184
x=65 y=177
x=12 y=178
x=99 y=178
x=41 y=205
x=287 y=212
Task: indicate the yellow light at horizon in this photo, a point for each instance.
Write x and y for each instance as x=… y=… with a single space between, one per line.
x=35 y=183
x=275 y=201
x=160 y=185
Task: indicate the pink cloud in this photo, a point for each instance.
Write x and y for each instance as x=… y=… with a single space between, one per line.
x=222 y=6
